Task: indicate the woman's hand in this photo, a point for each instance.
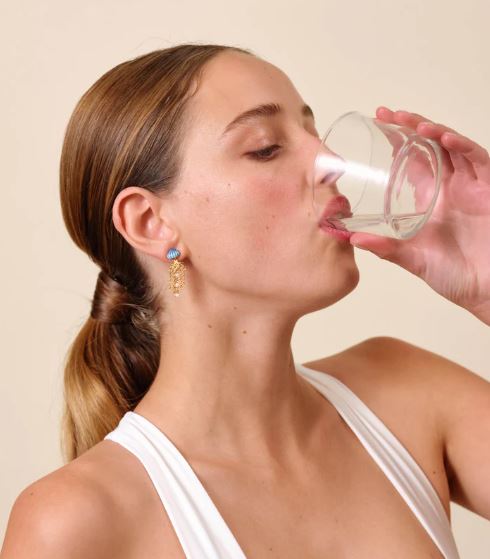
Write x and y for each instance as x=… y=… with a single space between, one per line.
x=452 y=250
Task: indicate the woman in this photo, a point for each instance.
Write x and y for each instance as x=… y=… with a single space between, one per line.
x=189 y=429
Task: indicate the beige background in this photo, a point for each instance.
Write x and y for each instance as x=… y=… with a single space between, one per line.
x=430 y=57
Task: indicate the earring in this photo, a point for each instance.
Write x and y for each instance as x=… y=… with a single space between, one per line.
x=176 y=272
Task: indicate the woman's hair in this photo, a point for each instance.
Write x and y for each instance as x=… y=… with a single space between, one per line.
x=126 y=130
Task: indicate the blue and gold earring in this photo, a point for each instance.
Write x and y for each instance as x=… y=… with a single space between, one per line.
x=176 y=272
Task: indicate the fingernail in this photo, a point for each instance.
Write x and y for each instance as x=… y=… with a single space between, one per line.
x=356 y=243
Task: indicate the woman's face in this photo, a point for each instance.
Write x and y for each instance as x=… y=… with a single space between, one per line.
x=245 y=218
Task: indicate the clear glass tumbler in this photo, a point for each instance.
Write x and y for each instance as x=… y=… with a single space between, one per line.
x=388 y=173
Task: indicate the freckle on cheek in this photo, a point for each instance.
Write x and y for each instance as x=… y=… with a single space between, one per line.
x=244 y=331
x=209 y=326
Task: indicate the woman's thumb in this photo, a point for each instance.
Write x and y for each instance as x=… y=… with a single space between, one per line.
x=403 y=252
x=383 y=247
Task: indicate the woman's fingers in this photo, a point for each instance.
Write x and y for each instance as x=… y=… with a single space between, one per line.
x=476 y=156
x=413 y=120
x=466 y=156
x=433 y=130
x=403 y=118
x=474 y=152
x=384 y=113
x=460 y=163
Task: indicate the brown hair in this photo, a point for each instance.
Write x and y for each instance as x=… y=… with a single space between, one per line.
x=126 y=130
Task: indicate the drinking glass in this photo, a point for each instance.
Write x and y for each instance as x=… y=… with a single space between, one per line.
x=389 y=175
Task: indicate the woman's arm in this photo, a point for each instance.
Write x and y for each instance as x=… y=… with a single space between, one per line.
x=464 y=405
x=462 y=401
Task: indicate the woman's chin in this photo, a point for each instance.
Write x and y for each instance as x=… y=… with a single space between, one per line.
x=334 y=288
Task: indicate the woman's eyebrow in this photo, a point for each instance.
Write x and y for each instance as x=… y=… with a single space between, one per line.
x=267 y=109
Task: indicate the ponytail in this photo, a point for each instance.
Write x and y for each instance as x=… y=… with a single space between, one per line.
x=110 y=364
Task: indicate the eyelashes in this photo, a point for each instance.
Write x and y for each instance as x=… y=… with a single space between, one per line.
x=265 y=154
x=268 y=153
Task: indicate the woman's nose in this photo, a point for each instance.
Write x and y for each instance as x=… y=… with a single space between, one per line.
x=328 y=166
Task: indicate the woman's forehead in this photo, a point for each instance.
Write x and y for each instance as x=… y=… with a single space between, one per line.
x=235 y=84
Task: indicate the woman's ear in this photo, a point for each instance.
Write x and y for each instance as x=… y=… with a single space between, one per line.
x=140 y=217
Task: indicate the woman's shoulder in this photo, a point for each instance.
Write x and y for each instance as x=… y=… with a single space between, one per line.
x=75 y=511
x=395 y=380
x=393 y=360
x=392 y=376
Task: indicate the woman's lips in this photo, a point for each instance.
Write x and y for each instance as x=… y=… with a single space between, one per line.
x=336 y=209
x=337 y=205
x=340 y=234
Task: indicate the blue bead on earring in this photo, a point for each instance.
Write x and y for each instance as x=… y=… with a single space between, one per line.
x=176 y=272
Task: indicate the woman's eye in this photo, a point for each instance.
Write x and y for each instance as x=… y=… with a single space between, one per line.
x=265 y=154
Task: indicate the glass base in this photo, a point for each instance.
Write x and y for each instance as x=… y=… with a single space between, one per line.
x=401 y=226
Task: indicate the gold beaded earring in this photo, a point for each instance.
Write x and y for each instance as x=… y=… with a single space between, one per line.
x=176 y=278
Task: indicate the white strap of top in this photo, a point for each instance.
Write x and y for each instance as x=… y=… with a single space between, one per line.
x=391 y=456
x=200 y=528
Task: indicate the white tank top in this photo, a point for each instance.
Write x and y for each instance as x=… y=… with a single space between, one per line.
x=200 y=528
